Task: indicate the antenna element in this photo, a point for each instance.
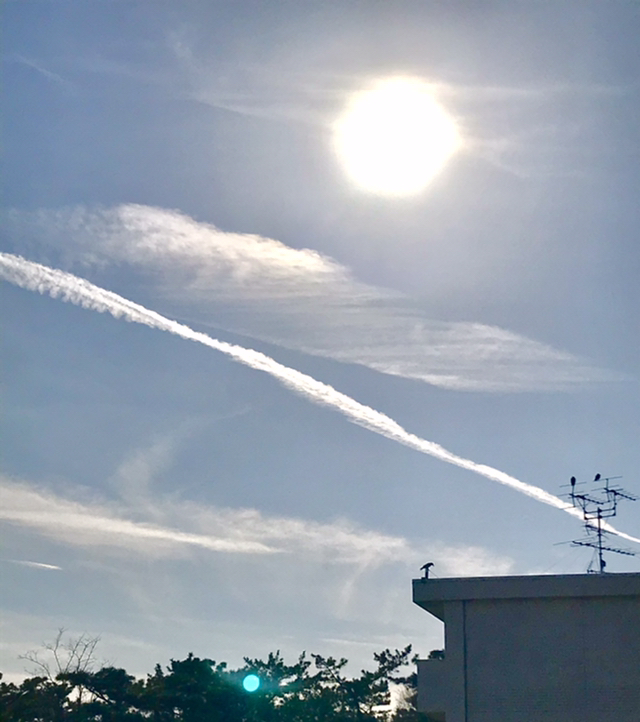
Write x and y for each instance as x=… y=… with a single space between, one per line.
x=600 y=504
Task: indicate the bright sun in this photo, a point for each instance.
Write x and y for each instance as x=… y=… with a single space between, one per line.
x=394 y=138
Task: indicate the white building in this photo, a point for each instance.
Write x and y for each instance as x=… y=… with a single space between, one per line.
x=533 y=649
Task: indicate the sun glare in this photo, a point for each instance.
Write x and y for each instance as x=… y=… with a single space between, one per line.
x=394 y=138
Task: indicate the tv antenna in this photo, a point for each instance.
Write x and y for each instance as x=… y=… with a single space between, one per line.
x=596 y=506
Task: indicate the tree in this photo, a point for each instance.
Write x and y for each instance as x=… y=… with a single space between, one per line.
x=312 y=689
x=37 y=699
x=192 y=690
x=107 y=695
x=316 y=689
x=76 y=654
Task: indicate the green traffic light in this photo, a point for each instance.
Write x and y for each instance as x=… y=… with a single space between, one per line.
x=251 y=682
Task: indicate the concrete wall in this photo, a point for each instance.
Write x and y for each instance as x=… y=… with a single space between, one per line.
x=539 y=649
x=433 y=687
x=557 y=660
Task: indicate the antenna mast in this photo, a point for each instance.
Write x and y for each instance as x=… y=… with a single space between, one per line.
x=600 y=504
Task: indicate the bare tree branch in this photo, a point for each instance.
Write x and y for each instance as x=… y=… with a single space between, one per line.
x=77 y=654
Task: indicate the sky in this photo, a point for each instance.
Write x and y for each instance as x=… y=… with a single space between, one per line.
x=246 y=397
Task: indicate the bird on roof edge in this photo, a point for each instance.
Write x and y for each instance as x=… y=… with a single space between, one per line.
x=426 y=568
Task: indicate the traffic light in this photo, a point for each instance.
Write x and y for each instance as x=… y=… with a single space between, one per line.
x=251 y=683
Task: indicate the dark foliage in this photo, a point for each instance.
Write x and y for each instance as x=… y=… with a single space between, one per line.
x=313 y=689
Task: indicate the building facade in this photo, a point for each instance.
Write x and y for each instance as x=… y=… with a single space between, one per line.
x=535 y=648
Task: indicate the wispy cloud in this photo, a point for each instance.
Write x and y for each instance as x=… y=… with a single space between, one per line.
x=133 y=479
x=99 y=524
x=94 y=522
x=35 y=565
x=257 y=90
x=42 y=70
x=295 y=298
x=330 y=579
x=524 y=130
x=36 y=277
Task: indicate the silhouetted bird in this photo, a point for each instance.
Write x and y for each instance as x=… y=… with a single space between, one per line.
x=597 y=477
x=426 y=568
x=573 y=481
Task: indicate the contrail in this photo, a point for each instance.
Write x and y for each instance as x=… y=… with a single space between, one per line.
x=60 y=284
x=35 y=565
x=123 y=528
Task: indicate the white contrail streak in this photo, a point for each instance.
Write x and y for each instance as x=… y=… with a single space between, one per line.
x=59 y=284
x=109 y=526
x=35 y=565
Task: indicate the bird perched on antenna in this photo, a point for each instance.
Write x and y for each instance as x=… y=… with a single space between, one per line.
x=426 y=568
x=597 y=477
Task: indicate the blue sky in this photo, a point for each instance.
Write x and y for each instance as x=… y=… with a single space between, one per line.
x=160 y=494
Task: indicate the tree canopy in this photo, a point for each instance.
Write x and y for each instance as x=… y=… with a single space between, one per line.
x=312 y=689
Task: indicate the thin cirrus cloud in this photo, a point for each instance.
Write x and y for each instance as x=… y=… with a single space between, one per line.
x=36 y=277
x=88 y=524
x=294 y=298
x=95 y=523
x=35 y=565
x=336 y=577
x=503 y=123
